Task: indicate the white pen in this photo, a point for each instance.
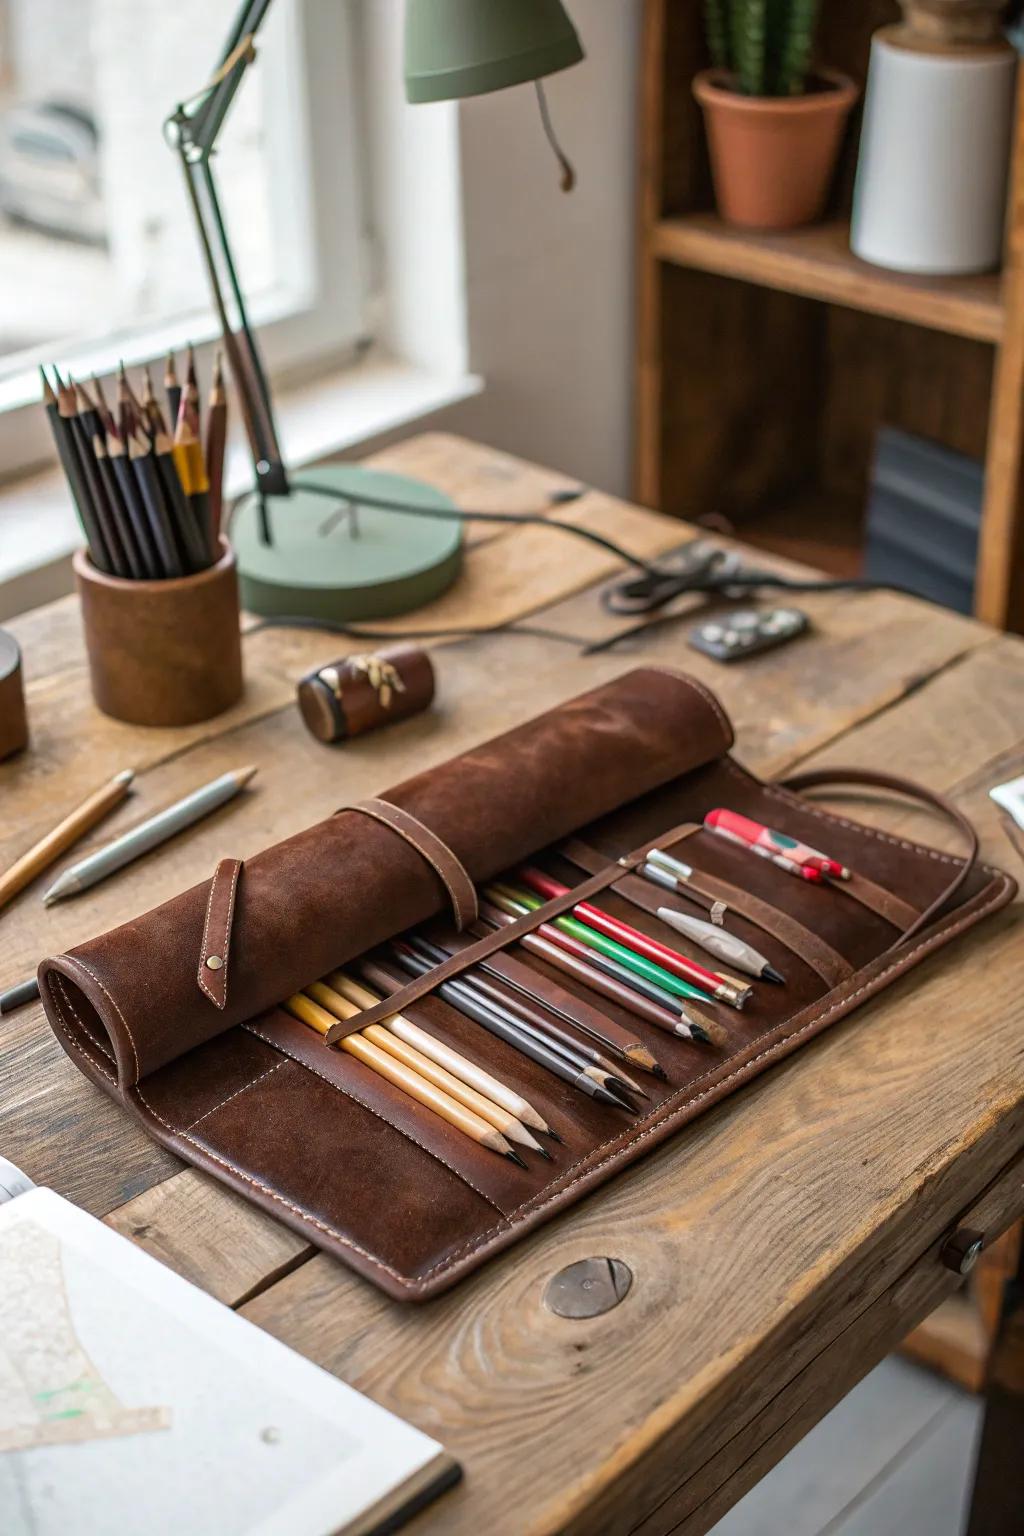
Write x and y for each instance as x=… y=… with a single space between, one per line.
x=724 y=946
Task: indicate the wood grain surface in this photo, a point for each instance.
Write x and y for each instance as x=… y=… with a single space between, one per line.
x=778 y=1245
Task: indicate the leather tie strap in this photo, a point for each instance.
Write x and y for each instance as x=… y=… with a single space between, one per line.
x=429 y=846
x=212 y=975
x=891 y=781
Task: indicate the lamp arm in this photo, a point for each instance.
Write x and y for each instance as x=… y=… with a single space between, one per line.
x=198 y=120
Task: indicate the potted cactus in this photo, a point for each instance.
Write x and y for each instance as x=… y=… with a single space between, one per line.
x=774 y=123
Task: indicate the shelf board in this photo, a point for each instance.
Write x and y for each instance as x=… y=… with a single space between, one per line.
x=816 y=262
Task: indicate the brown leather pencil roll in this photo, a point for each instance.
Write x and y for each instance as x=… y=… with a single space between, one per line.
x=178 y=1015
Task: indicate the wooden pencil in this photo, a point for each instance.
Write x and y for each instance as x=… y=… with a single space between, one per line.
x=560 y=952
x=427 y=1067
x=69 y=460
x=75 y=825
x=151 y=490
x=117 y=453
x=91 y=419
x=497 y=1022
x=551 y=1028
x=70 y=400
x=197 y=556
x=191 y=465
x=151 y=406
x=575 y=1010
x=444 y=1055
x=401 y=1076
x=172 y=389
x=216 y=441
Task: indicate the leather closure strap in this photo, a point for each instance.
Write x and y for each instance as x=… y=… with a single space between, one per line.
x=498 y=938
x=429 y=846
x=901 y=786
x=212 y=975
x=807 y=946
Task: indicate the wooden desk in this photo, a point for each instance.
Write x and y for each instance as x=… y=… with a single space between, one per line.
x=779 y=1246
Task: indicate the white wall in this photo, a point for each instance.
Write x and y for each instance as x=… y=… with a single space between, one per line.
x=549 y=275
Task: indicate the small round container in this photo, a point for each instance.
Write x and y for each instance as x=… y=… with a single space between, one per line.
x=162 y=652
x=13 y=722
x=360 y=693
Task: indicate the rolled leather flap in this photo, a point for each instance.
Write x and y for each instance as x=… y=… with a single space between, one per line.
x=310 y=903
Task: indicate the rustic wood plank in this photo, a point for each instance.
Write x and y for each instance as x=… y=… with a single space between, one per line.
x=211 y=1236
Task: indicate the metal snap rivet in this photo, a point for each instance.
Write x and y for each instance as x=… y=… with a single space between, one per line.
x=588 y=1287
x=214 y=962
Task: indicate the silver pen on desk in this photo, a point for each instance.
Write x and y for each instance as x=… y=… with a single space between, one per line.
x=148 y=835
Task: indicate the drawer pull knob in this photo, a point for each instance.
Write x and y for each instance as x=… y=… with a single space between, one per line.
x=961 y=1251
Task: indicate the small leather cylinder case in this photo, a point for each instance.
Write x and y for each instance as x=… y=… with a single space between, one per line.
x=162 y=652
x=13 y=723
x=359 y=693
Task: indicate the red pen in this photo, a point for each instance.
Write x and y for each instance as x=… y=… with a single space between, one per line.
x=651 y=949
x=787 y=852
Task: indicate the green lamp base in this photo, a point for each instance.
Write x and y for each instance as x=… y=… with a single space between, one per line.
x=326 y=564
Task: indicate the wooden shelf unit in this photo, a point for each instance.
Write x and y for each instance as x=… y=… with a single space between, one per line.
x=767 y=362
x=817 y=263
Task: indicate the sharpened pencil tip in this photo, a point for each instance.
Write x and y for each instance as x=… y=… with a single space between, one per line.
x=697 y=1032
x=771 y=974
x=660 y=1073
x=515 y=1158
x=554 y=1135
x=543 y=1152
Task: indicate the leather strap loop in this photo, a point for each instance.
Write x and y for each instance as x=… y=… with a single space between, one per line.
x=876 y=780
x=212 y=974
x=497 y=938
x=429 y=846
x=807 y=946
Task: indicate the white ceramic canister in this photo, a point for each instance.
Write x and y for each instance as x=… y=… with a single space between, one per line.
x=930 y=194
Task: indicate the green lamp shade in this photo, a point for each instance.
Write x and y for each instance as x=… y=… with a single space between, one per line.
x=457 y=48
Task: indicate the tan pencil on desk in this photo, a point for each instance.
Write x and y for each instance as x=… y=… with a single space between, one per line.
x=76 y=825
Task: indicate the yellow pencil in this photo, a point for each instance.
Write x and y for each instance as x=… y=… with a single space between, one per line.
x=404 y=1078
x=445 y=1056
x=420 y=1062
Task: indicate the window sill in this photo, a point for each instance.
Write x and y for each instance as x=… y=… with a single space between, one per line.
x=38 y=526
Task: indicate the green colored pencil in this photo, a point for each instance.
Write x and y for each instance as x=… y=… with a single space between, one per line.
x=610 y=947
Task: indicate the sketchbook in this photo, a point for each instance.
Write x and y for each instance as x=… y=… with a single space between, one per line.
x=132 y=1401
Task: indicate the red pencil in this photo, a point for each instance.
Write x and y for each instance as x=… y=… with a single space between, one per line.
x=670 y=959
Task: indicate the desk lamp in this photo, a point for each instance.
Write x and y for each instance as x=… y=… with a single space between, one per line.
x=396 y=548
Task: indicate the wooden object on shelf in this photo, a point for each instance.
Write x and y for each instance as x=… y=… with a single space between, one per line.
x=766 y=362
x=780 y=1245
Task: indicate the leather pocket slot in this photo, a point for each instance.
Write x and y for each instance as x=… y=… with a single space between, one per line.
x=495 y=1178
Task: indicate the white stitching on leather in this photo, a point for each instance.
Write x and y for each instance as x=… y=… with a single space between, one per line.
x=244 y=1088
x=251 y=1030
x=77 y=960
x=65 y=1031
x=201 y=978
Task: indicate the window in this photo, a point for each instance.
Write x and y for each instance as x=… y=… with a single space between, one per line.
x=98 y=251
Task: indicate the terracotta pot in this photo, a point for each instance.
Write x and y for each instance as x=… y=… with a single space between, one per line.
x=772 y=157
x=162 y=652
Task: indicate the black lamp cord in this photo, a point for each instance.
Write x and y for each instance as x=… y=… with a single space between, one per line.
x=699 y=567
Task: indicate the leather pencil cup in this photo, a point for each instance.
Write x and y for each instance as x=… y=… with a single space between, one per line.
x=162 y=652
x=359 y=693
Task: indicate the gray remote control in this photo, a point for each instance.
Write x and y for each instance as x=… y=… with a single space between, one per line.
x=747 y=631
